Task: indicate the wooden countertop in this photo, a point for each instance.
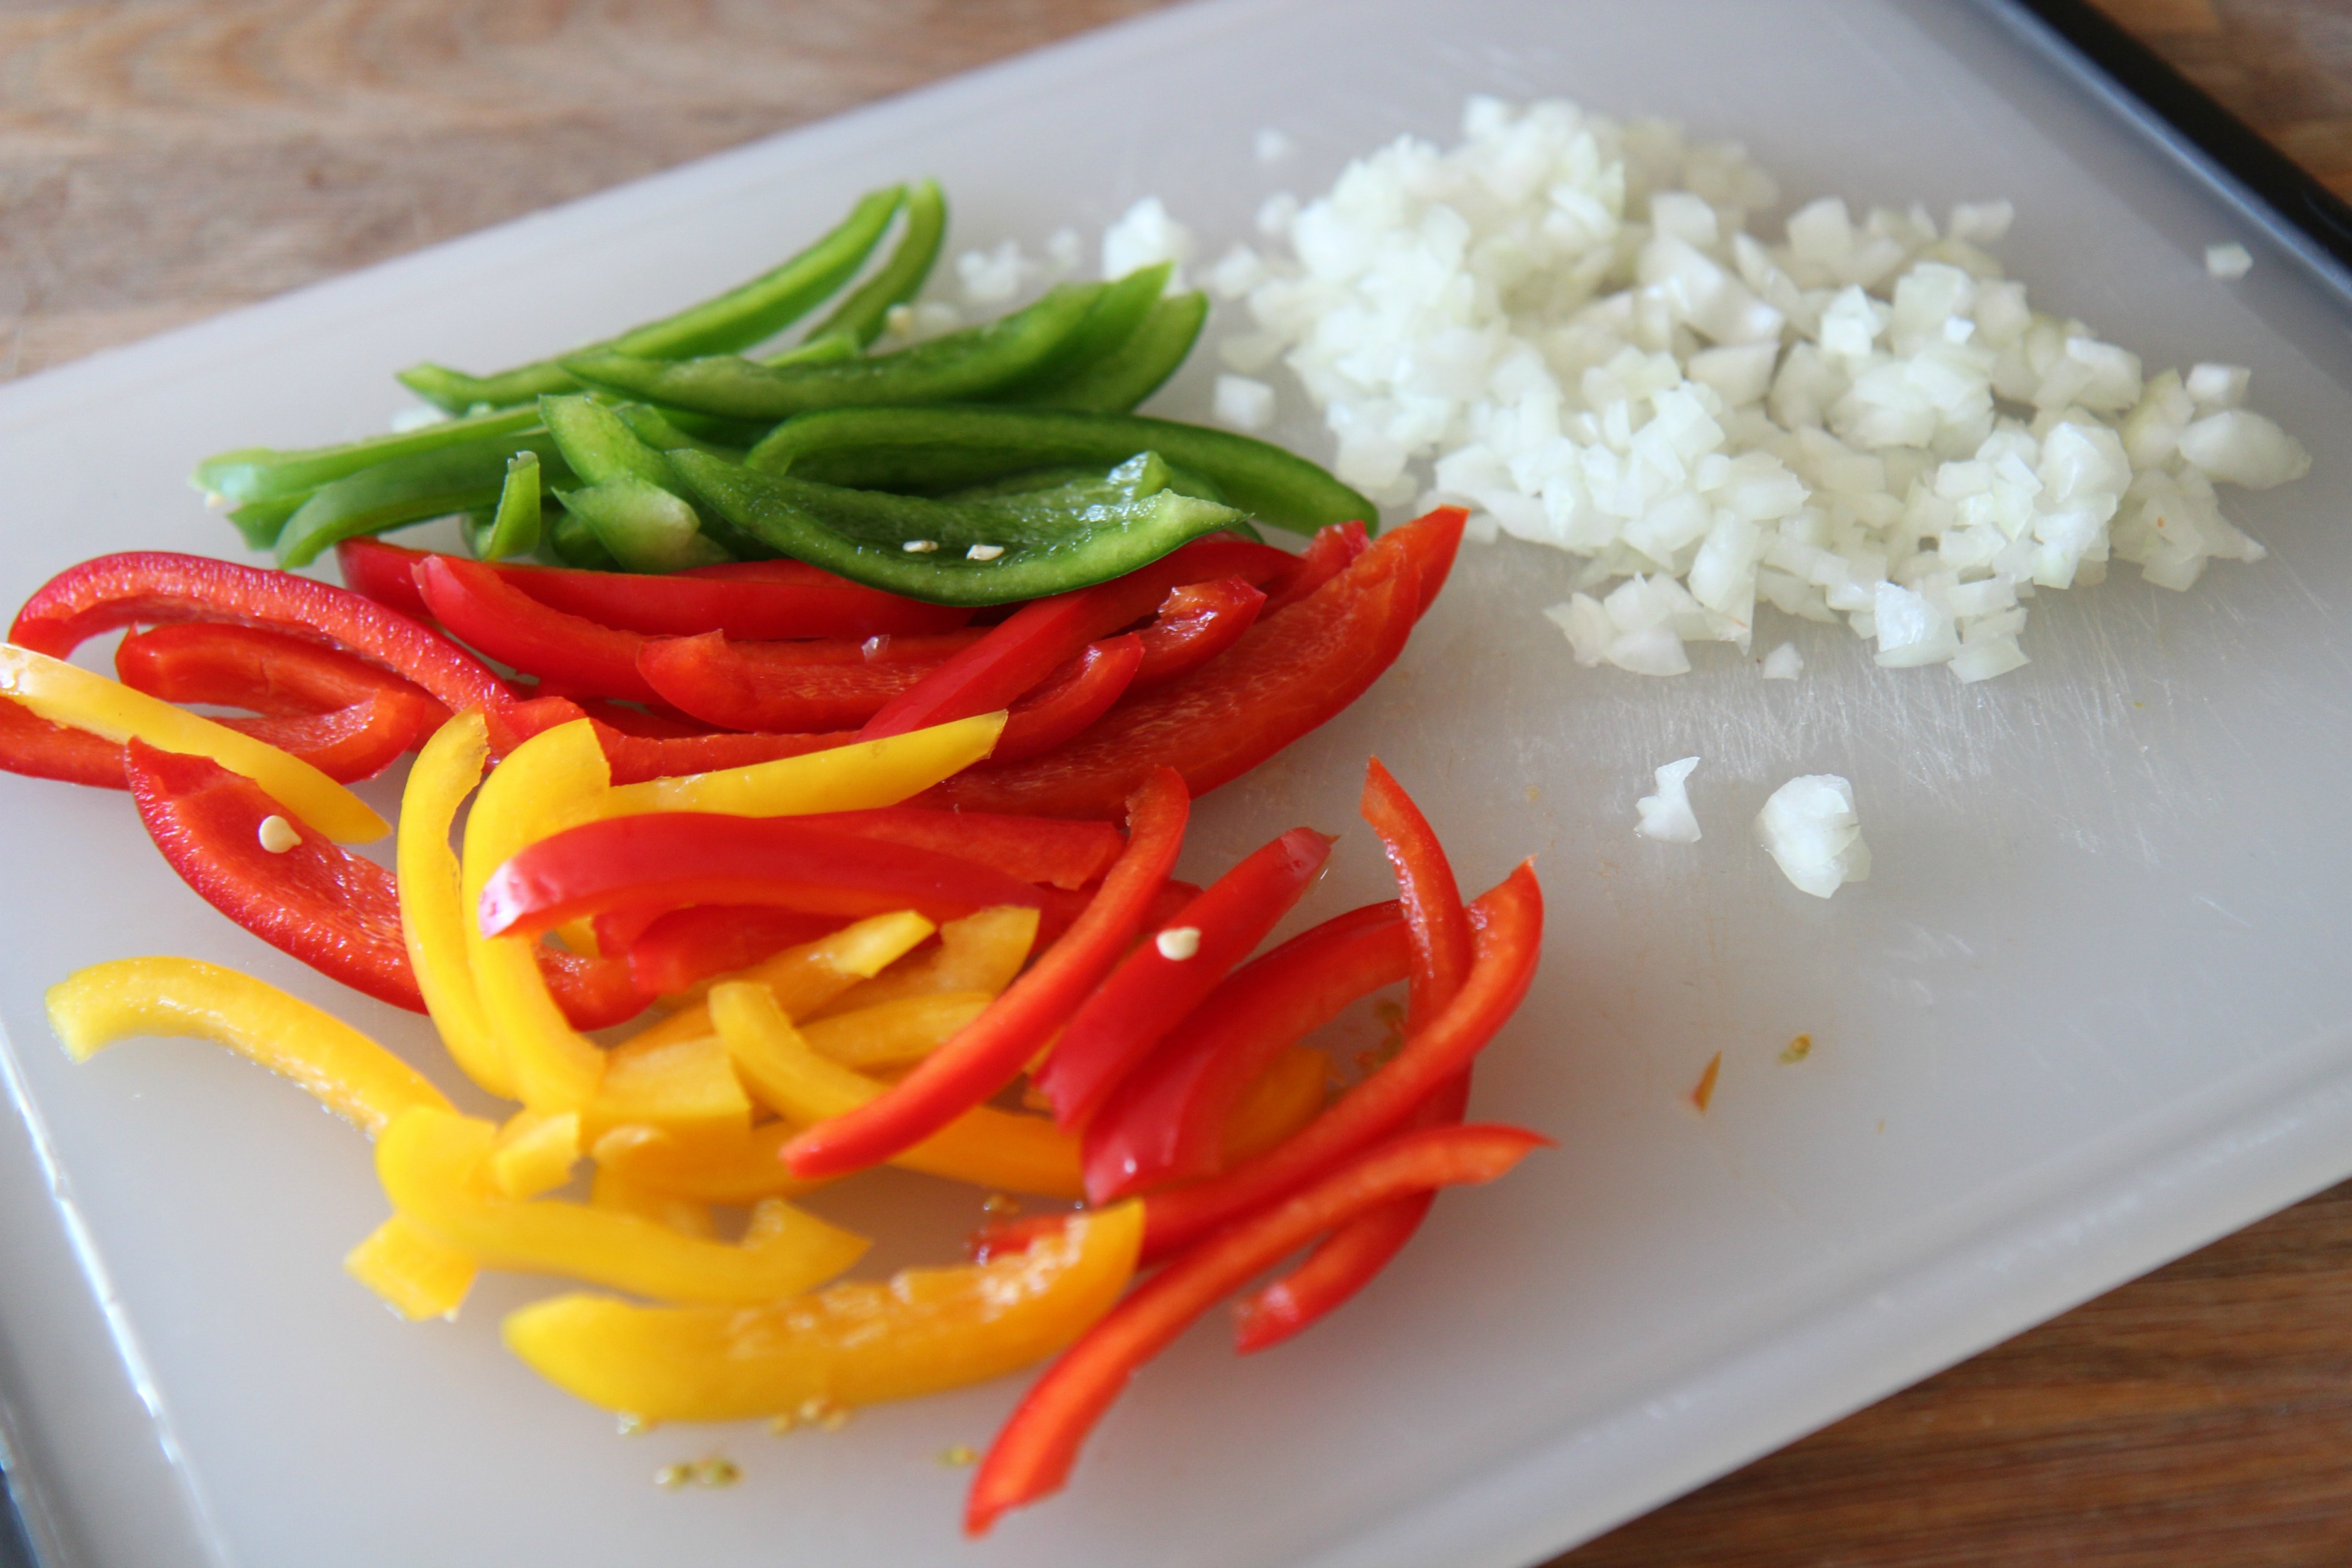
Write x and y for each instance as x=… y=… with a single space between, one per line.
x=164 y=159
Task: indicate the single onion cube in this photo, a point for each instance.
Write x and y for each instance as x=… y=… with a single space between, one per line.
x=1667 y=815
x=1809 y=829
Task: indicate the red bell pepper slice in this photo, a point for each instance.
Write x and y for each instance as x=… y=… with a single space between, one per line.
x=1442 y=951
x=752 y=599
x=334 y=911
x=349 y=743
x=1196 y=623
x=672 y=858
x=787 y=685
x=153 y=586
x=1032 y=849
x=1166 y=1123
x=1332 y=549
x=1293 y=671
x=233 y=666
x=684 y=947
x=636 y=758
x=986 y=1054
x=482 y=609
x=1032 y=1456
x=1508 y=919
x=1152 y=988
x=1043 y=634
x=1074 y=697
x=37 y=749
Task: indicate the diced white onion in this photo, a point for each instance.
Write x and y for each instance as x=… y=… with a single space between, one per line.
x=1809 y=829
x=1667 y=815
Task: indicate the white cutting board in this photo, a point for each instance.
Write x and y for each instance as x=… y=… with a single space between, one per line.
x=2090 y=1011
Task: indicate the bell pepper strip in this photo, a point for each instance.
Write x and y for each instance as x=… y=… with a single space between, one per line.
x=418 y=1275
x=332 y=910
x=534 y=1154
x=791 y=686
x=456 y=480
x=860 y=318
x=1196 y=623
x=658 y=722
x=894 y=1033
x=1164 y=1124
x=149 y=586
x=736 y=319
x=1072 y=697
x=1034 y=1452
x=1442 y=950
x=618 y=1193
x=804 y=979
x=1289 y=675
x=980 y=953
x=676 y=858
x=1291 y=1092
x=349 y=743
x=545 y=784
x=705 y=1171
x=1345 y=1261
x=262 y=474
x=1331 y=550
x=432 y=913
x=1138 y=367
x=943 y=449
x=37 y=749
x=1162 y=980
x=985 y=1146
x=686 y=1087
x=1119 y=310
x=1064 y=853
x=678 y=949
x=924 y=1330
x=848 y=777
x=1508 y=921
x=235 y=666
x=1040 y=636
x=430 y=1162
x=67 y=694
x=344 y=1069
x=992 y=1049
x=480 y=608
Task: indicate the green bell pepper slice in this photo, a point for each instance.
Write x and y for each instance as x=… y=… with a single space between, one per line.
x=859 y=320
x=1140 y=366
x=415 y=489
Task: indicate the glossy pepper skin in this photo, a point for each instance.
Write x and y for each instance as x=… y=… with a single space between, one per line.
x=1295 y=670
x=790 y=686
x=1196 y=623
x=479 y=607
x=1034 y=1452
x=149 y=586
x=987 y=1054
x=1156 y=985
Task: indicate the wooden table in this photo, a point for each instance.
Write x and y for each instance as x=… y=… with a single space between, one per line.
x=164 y=159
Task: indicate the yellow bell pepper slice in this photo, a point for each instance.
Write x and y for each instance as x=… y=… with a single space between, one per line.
x=68 y=694
x=924 y=1330
x=894 y=1033
x=803 y=978
x=847 y=778
x=418 y=1275
x=431 y=910
x=550 y=782
x=982 y=952
x=534 y=1154
x=711 y=1172
x=1291 y=1092
x=430 y=1163
x=985 y=1146
x=687 y=1217
x=686 y=1087
x=350 y=1074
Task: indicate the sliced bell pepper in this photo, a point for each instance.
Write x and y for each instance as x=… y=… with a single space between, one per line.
x=618 y=1193
x=894 y=1033
x=1074 y=697
x=789 y=686
x=682 y=947
x=1291 y=1092
x=63 y=693
x=1294 y=670
x=850 y=777
x=332 y=910
x=153 y=586
x=804 y=979
x=347 y=1072
x=37 y=749
x=1040 y=636
x=669 y=860
x=924 y=1330
x=988 y=1055
x=1060 y=852
x=1164 y=1124
x=418 y=1275
x=1162 y=980
x=236 y=666
x=1509 y=922
x=349 y=743
x=534 y=1154
x=483 y=610
x=985 y=1146
x=432 y=913
x=980 y=953
x=430 y=1163
x=702 y=1170
x=1331 y=550
x=686 y=1087
x=1032 y=1454
x=1196 y=623
x=639 y=759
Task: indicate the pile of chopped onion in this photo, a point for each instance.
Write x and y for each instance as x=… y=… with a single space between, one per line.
x=1565 y=324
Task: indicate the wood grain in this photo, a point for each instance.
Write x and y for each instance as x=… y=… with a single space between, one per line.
x=164 y=159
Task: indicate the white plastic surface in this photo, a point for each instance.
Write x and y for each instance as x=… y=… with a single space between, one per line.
x=2090 y=1011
